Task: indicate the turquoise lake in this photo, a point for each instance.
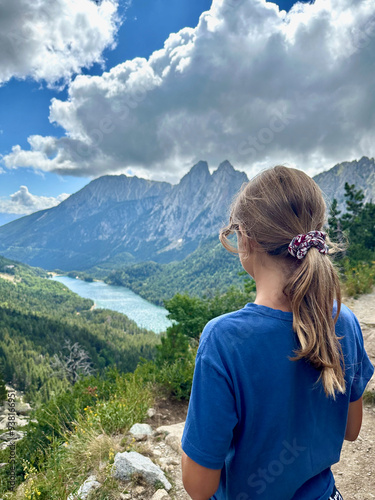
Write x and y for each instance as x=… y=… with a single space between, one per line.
x=120 y=299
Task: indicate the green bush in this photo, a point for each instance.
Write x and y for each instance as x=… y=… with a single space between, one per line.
x=174 y=345
x=176 y=379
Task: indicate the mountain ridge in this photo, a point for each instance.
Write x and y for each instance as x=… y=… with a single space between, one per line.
x=127 y=220
x=136 y=218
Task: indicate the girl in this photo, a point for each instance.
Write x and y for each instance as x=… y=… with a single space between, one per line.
x=278 y=384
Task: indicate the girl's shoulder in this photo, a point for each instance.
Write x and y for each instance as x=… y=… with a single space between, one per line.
x=218 y=329
x=246 y=323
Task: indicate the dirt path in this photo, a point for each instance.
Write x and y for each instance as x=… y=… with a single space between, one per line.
x=364 y=309
x=355 y=473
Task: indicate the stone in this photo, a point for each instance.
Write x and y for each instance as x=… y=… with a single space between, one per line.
x=173 y=435
x=131 y=462
x=141 y=430
x=21 y=422
x=174 y=442
x=175 y=429
x=151 y=412
x=89 y=485
x=160 y=495
x=169 y=461
x=4 y=424
x=12 y=435
x=23 y=408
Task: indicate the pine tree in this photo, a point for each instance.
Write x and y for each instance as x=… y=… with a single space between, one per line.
x=3 y=391
x=334 y=224
x=354 y=206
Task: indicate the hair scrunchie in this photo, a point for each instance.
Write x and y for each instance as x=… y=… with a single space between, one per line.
x=301 y=244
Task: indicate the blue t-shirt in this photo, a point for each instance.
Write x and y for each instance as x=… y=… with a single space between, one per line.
x=262 y=418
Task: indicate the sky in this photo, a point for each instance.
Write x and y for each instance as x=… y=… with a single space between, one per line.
x=149 y=88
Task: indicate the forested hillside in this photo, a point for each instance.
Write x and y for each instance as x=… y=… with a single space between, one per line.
x=208 y=270
x=39 y=316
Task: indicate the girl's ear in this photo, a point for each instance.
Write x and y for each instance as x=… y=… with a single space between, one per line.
x=246 y=243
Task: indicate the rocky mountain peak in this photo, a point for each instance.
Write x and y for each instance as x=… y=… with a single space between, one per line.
x=198 y=173
x=361 y=173
x=225 y=166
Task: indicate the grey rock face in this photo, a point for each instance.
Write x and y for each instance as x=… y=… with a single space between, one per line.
x=360 y=173
x=131 y=462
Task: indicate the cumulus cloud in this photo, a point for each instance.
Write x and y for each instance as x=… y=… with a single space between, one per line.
x=52 y=40
x=250 y=83
x=22 y=202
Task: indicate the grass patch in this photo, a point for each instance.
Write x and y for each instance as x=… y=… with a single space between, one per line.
x=358 y=279
x=369 y=398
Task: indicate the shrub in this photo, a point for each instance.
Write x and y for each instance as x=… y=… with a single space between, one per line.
x=176 y=379
x=358 y=279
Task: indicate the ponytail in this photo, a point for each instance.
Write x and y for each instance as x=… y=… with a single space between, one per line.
x=272 y=209
x=311 y=290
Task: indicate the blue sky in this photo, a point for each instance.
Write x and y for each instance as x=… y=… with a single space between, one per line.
x=137 y=29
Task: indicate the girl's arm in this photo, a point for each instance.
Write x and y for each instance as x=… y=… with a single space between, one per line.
x=200 y=483
x=354 y=422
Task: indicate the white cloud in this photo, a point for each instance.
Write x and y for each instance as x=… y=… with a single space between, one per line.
x=250 y=83
x=23 y=202
x=52 y=40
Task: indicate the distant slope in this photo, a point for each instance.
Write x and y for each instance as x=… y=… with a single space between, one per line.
x=360 y=173
x=37 y=315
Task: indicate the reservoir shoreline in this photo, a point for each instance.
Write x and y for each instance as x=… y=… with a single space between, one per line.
x=120 y=299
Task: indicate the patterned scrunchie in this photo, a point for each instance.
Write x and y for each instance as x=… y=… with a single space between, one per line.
x=301 y=243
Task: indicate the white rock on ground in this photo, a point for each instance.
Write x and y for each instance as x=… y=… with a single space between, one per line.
x=130 y=462
x=22 y=408
x=151 y=412
x=141 y=429
x=173 y=435
x=161 y=495
x=12 y=435
x=89 y=485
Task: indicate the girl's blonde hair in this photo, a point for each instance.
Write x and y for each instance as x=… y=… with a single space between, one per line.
x=273 y=208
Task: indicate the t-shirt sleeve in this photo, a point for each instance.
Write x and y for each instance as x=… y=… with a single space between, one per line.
x=363 y=369
x=211 y=417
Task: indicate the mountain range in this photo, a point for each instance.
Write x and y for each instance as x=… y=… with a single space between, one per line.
x=120 y=220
